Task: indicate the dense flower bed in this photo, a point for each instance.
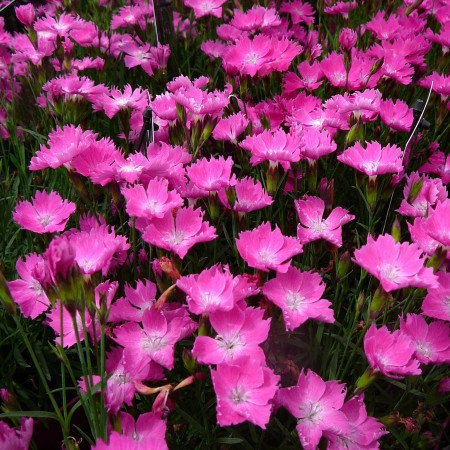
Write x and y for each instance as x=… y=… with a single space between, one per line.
x=230 y=224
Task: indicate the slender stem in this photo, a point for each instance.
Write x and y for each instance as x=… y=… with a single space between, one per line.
x=103 y=421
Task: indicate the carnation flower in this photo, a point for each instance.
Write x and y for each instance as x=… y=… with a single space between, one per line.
x=341 y=8
x=299 y=295
x=46 y=213
x=316 y=143
x=205 y=7
x=244 y=392
x=397 y=116
x=438 y=164
x=392 y=354
x=438 y=220
x=436 y=304
x=213 y=174
x=347 y=39
x=315 y=404
x=373 y=160
x=265 y=249
x=181 y=233
x=16 y=439
x=396 y=265
x=136 y=99
x=229 y=128
x=299 y=11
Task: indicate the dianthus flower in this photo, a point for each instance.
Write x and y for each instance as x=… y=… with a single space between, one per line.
x=213 y=174
x=316 y=405
x=299 y=295
x=316 y=143
x=299 y=11
x=229 y=128
x=441 y=84
x=129 y=99
x=419 y=234
x=181 y=233
x=205 y=7
x=396 y=265
x=438 y=222
x=265 y=249
x=165 y=107
x=438 y=164
x=341 y=8
x=397 y=116
x=14 y=439
x=244 y=392
x=390 y=353
x=437 y=302
x=313 y=226
x=239 y=333
x=373 y=160
x=47 y=213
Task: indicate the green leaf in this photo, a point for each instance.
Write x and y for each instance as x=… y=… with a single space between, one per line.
x=38 y=414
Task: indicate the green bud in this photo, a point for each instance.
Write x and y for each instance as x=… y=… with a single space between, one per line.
x=377 y=303
x=6 y=297
x=365 y=380
x=343 y=265
x=189 y=361
x=415 y=190
x=396 y=230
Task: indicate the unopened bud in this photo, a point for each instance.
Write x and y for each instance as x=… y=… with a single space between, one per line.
x=396 y=231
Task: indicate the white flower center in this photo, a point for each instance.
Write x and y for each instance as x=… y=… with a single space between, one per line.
x=294 y=301
x=390 y=272
x=175 y=238
x=312 y=412
x=252 y=58
x=45 y=219
x=229 y=343
x=238 y=395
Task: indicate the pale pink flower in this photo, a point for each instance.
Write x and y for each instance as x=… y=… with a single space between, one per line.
x=397 y=116
x=299 y=11
x=244 y=392
x=436 y=304
x=239 y=333
x=373 y=160
x=431 y=341
x=213 y=174
x=213 y=49
x=181 y=233
x=205 y=7
x=431 y=192
x=14 y=439
x=211 y=290
x=28 y=291
x=63 y=145
x=277 y=147
x=265 y=249
x=46 y=213
x=154 y=201
x=438 y=222
x=315 y=404
x=395 y=264
x=438 y=164
x=364 y=430
x=250 y=196
x=299 y=295
x=313 y=226
x=392 y=354
x=229 y=128
x=154 y=342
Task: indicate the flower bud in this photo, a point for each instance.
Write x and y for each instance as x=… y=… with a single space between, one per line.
x=396 y=231
x=347 y=39
x=5 y=296
x=25 y=14
x=189 y=360
x=61 y=258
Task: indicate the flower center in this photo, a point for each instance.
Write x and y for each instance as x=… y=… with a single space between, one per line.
x=229 y=344
x=252 y=58
x=265 y=256
x=175 y=238
x=424 y=349
x=390 y=272
x=294 y=301
x=45 y=219
x=312 y=412
x=238 y=395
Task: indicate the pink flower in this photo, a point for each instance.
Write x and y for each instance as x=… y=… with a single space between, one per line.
x=211 y=290
x=397 y=116
x=390 y=353
x=341 y=8
x=165 y=107
x=250 y=196
x=205 y=7
x=47 y=213
x=213 y=174
x=347 y=39
x=316 y=143
x=437 y=302
x=364 y=430
x=155 y=201
x=396 y=265
x=27 y=291
x=154 y=342
x=181 y=233
x=299 y=11
x=374 y=160
x=213 y=49
x=63 y=145
x=229 y=128
x=315 y=404
x=313 y=226
x=277 y=147
x=239 y=333
x=244 y=392
x=431 y=341
x=25 y=14
x=129 y=99
x=334 y=69
x=441 y=84
x=438 y=220
x=419 y=234
x=14 y=439
x=265 y=249
x=299 y=295
x=438 y=164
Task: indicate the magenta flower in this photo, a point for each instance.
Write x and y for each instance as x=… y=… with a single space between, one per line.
x=250 y=196
x=364 y=430
x=205 y=7
x=431 y=341
x=27 y=291
x=63 y=145
x=397 y=116
x=347 y=39
x=229 y=128
x=437 y=302
x=277 y=147
x=313 y=226
x=311 y=77
x=209 y=291
x=374 y=160
x=438 y=164
x=239 y=333
x=154 y=342
x=316 y=143
x=181 y=233
x=265 y=249
x=299 y=11
x=25 y=14
x=396 y=265
x=244 y=392
x=438 y=220
x=212 y=175
x=315 y=404
x=333 y=68
x=419 y=235
x=341 y=8
x=390 y=353
x=129 y=99
x=16 y=439
x=47 y=213
x=154 y=201
x=165 y=107
x=299 y=295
